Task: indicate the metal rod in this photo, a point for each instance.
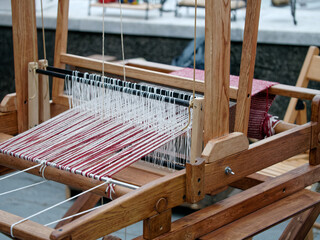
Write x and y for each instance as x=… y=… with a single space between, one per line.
x=156 y=96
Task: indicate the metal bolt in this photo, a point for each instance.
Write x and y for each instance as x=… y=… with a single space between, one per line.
x=228 y=171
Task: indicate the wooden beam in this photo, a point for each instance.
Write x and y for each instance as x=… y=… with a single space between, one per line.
x=292 y=91
x=260 y=155
x=269 y=216
x=25 y=50
x=314 y=156
x=197 y=129
x=54 y=174
x=248 y=57
x=226 y=211
x=300 y=225
x=217 y=69
x=121 y=213
x=60 y=45
x=24 y=230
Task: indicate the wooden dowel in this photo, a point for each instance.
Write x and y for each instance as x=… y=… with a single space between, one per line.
x=33 y=95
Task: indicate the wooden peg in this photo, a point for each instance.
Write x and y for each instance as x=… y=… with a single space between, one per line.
x=195 y=181
x=33 y=96
x=44 y=95
x=197 y=129
x=157 y=225
x=314 y=156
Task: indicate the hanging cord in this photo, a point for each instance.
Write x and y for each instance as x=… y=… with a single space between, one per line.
x=43 y=36
x=194 y=64
x=103 y=13
x=16 y=173
x=122 y=44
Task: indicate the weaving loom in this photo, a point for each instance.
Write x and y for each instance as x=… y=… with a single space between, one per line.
x=226 y=159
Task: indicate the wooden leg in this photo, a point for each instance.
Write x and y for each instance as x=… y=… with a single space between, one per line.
x=300 y=225
x=84 y=202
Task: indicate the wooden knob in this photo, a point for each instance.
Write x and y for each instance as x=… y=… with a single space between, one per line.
x=161 y=205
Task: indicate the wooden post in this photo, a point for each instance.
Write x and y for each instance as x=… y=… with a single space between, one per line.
x=314 y=156
x=60 y=46
x=25 y=50
x=33 y=93
x=248 y=57
x=217 y=69
x=197 y=129
x=44 y=95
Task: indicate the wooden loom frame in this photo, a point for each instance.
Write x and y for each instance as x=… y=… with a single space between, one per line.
x=153 y=201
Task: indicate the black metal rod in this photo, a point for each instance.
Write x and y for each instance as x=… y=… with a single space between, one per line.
x=122 y=83
x=125 y=89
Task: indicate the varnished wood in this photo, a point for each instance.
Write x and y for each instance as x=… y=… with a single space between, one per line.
x=217 y=69
x=33 y=93
x=120 y=213
x=303 y=81
x=138 y=73
x=157 y=225
x=260 y=155
x=283 y=126
x=300 y=225
x=314 y=157
x=293 y=91
x=213 y=217
x=9 y=123
x=197 y=129
x=70 y=179
x=60 y=45
x=44 y=93
x=24 y=34
x=24 y=230
x=250 y=181
x=224 y=146
x=9 y=103
x=269 y=216
x=195 y=181
x=248 y=57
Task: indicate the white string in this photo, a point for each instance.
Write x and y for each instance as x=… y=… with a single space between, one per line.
x=72 y=216
x=22 y=171
x=55 y=205
x=22 y=188
x=122 y=44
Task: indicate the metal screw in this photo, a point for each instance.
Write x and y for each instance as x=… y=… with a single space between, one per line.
x=228 y=171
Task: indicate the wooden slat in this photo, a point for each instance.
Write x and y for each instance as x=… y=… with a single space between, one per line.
x=197 y=129
x=60 y=45
x=302 y=81
x=226 y=211
x=300 y=225
x=260 y=155
x=131 y=208
x=25 y=230
x=267 y=217
x=138 y=73
x=292 y=91
x=44 y=93
x=314 y=69
x=33 y=93
x=23 y=49
x=248 y=57
x=217 y=69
